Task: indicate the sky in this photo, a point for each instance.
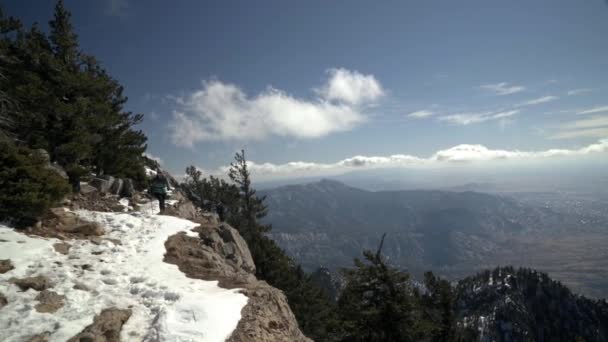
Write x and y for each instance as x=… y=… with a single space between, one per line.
x=327 y=87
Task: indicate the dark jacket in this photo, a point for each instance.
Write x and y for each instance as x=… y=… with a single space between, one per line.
x=159 y=185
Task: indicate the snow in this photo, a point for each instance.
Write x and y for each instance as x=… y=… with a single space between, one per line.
x=149 y=172
x=165 y=304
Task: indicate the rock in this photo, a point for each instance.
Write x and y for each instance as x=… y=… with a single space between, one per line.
x=127 y=189
x=44 y=337
x=49 y=301
x=106 y=327
x=221 y=254
x=267 y=317
x=81 y=287
x=203 y=261
x=116 y=187
x=87 y=188
x=3 y=300
x=38 y=283
x=58 y=170
x=43 y=154
x=87 y=229
x=102 y=185
x=5 y=266
x=183 y=209
x=62 y=247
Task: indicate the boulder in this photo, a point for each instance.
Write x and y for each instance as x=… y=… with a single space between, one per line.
x=182 y=209
x=62 y=247
x=49 y=301
x=43 y=154
x=102 y=185
x=106 y=327
x=38 y=283
x=5 y=266
x=116 y=187
x=127 y=188
x=87 y=188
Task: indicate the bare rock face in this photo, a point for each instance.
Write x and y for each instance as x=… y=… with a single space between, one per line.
x=62 y=224
x=222 y=254
x=106 y=327
x=38 y=283
x=5 y=266
x=49 y=301
x=267 y=317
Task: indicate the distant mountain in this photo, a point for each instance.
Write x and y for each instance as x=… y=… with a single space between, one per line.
x=327 y=224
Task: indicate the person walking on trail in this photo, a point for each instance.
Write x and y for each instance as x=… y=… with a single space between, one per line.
x=158 y=188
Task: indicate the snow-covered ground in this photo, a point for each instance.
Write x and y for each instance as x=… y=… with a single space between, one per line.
x=166 y=305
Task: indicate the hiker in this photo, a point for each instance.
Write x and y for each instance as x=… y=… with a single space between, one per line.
x=158 y=188
x=219 y=209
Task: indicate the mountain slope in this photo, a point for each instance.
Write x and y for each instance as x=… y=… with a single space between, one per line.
x=525 y=305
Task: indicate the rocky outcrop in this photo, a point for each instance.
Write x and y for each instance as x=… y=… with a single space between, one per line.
x=5 y=266
x=222 y=254
x=63 y=224
x=49 y=301
x=38 y=283
x=106 y=327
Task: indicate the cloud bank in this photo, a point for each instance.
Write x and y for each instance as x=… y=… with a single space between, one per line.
x=220 y=111
x=464 y=153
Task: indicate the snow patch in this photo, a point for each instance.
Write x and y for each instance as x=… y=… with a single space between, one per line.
x=165 y=304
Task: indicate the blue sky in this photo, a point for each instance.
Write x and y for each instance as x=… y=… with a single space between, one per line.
x=396 y=83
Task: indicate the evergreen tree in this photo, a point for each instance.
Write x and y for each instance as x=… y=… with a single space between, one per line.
x=376 y=304
x=68 y=104
x=252 y=207
x=63 y=37
x=437 y=320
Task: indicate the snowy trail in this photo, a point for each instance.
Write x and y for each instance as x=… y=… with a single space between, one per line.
x=165 y=304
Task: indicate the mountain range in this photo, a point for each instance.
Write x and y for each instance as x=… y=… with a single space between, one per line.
x=327 y=224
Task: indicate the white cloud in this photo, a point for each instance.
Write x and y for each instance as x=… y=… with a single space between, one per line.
x=539 y=100
x=464 y=153
x=594 y=110
x=595 y=127
x=421 y=114
x=477 y=117
x=221 y=111
x=502 y=88
x=582 y=133
x=578 y=91
x=350 y=87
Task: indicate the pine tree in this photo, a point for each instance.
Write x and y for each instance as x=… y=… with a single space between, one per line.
x=252 y=207
x=437 y=321
x=62 y=36
x=376 y=304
